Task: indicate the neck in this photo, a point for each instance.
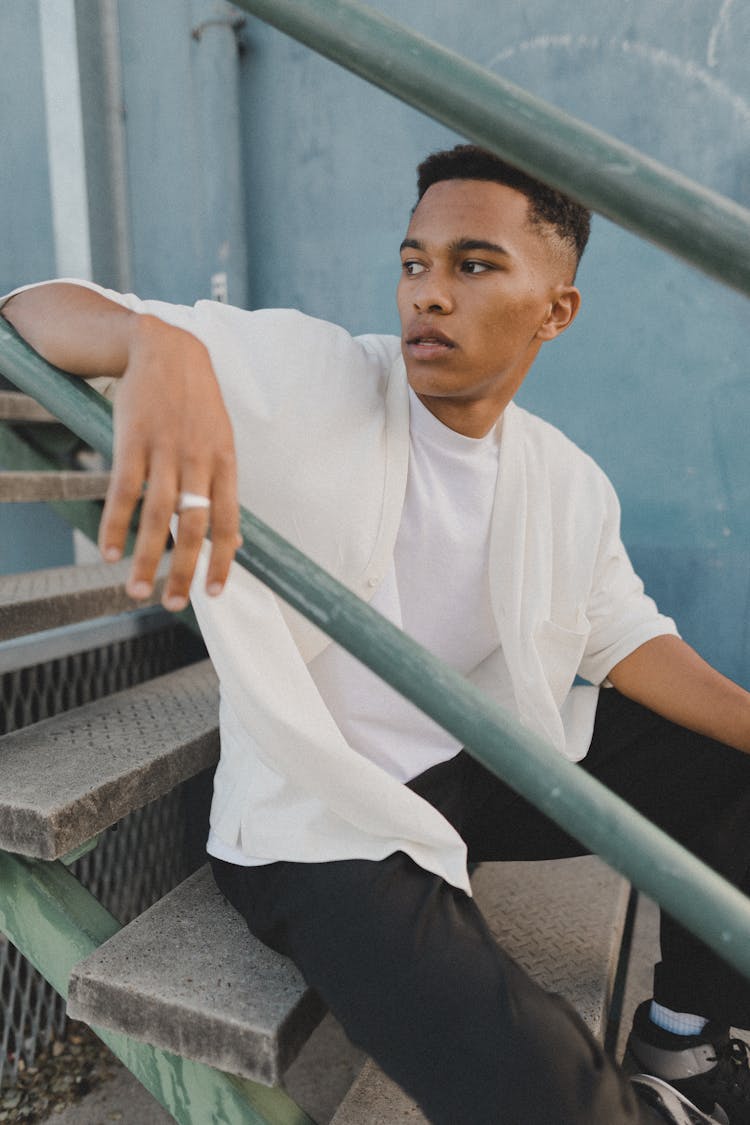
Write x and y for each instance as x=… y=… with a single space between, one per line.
x=472 y=419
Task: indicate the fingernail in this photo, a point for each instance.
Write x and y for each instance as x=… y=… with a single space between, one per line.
x=111 y=554
x=174 y=603
x=214 y=588
x=139 y=589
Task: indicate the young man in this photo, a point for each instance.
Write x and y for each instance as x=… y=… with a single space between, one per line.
x=342 y=817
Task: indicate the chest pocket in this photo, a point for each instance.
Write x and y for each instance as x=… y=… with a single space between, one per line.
x=560 y=651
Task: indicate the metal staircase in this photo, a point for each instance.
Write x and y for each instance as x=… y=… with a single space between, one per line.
x=179 y=1019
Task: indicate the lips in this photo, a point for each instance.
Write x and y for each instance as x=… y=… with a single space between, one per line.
x=427 y=341
x=424 y=335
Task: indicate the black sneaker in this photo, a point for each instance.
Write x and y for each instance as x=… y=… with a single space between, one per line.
x=670 y=1105
x=710 y=1069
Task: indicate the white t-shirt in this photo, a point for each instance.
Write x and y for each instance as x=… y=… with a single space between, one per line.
x=437 y=589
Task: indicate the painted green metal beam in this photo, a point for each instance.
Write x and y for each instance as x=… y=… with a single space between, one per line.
x=690 y=891
x=55 y=922
x=77 y=405
x=704 y=228
x=15 y=453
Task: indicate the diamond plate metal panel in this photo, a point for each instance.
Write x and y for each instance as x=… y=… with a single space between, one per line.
x=562 y=921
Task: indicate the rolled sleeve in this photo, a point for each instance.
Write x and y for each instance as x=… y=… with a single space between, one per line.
x=621 y=615
x=182 y=316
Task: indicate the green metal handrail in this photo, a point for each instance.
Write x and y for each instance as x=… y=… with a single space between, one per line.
x=701 y=226
x=706 y=904
x=56 y=922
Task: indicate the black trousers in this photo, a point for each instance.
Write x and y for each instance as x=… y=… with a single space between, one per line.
x=407 y=965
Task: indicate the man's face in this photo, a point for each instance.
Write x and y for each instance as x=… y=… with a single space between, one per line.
x=480 y=291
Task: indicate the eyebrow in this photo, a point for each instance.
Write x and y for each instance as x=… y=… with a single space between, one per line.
x=459 y=245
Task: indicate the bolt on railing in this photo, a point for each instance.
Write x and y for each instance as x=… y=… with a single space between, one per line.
x=689 y=890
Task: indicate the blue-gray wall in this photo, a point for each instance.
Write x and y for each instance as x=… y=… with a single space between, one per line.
x=315 y=181
x=26 y=531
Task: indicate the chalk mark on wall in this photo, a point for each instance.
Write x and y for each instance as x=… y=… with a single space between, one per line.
x=722 y=24
x=657 y=56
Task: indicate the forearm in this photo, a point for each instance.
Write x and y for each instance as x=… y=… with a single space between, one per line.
x=669 y=677
x=74 y=328
x=171 y=429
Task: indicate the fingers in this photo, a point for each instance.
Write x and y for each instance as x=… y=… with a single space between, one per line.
x=123 y=494
x=225 y=537
x=191 y=531
x=126 y=488
x=192 y=528
x=172 y=433
x=153 y=528
x=159 y=505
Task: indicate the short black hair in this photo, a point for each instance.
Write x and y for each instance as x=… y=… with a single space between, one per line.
x=570 y=220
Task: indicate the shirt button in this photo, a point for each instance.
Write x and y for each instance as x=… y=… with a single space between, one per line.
x=372 y=582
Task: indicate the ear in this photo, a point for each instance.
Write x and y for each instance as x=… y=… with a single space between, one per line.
x=562 y=311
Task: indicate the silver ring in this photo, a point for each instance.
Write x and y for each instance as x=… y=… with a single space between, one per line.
x=188 y=500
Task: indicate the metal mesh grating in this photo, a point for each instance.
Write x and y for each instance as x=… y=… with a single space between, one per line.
x=137 y=861
x=30 y=694
x=31 y=1011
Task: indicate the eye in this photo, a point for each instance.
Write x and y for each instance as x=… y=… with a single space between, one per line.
x=412 y=268
x=472 y=266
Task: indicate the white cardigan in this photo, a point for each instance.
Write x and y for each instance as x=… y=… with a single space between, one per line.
x=321 y=424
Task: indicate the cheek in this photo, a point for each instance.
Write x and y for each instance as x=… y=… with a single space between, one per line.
x=402 y=300
x=505 y=336
x=521 y=317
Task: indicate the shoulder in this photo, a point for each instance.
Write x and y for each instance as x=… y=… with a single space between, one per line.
x=568 y=469
x=289 y=327
x=290 y=341
x=285 y=329
x=281 y=365
x=387 y=349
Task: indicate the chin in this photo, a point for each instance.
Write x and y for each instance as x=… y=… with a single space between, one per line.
x=423 y=385
x=430 y=378
x=432 y=384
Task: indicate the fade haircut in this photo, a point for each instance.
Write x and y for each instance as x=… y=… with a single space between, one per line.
x=570 y=220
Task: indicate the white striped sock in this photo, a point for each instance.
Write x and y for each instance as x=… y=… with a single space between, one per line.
x=679 y=1023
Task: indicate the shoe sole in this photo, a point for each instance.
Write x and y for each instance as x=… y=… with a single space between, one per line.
x=670 y=1094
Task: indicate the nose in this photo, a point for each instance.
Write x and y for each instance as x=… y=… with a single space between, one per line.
x=432 y=292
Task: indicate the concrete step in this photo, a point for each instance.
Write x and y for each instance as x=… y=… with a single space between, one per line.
x=29 y=486
x=65 y=779
x=18 y=407
x=188 y=976
x=562 y=921
x=47 y=599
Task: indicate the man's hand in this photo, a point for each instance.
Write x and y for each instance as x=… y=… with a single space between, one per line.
x=172 y=432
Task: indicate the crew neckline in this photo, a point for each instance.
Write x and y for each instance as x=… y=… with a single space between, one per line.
x=424 y=424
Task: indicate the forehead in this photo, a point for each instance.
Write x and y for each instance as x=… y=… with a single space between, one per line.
x=453 y=209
